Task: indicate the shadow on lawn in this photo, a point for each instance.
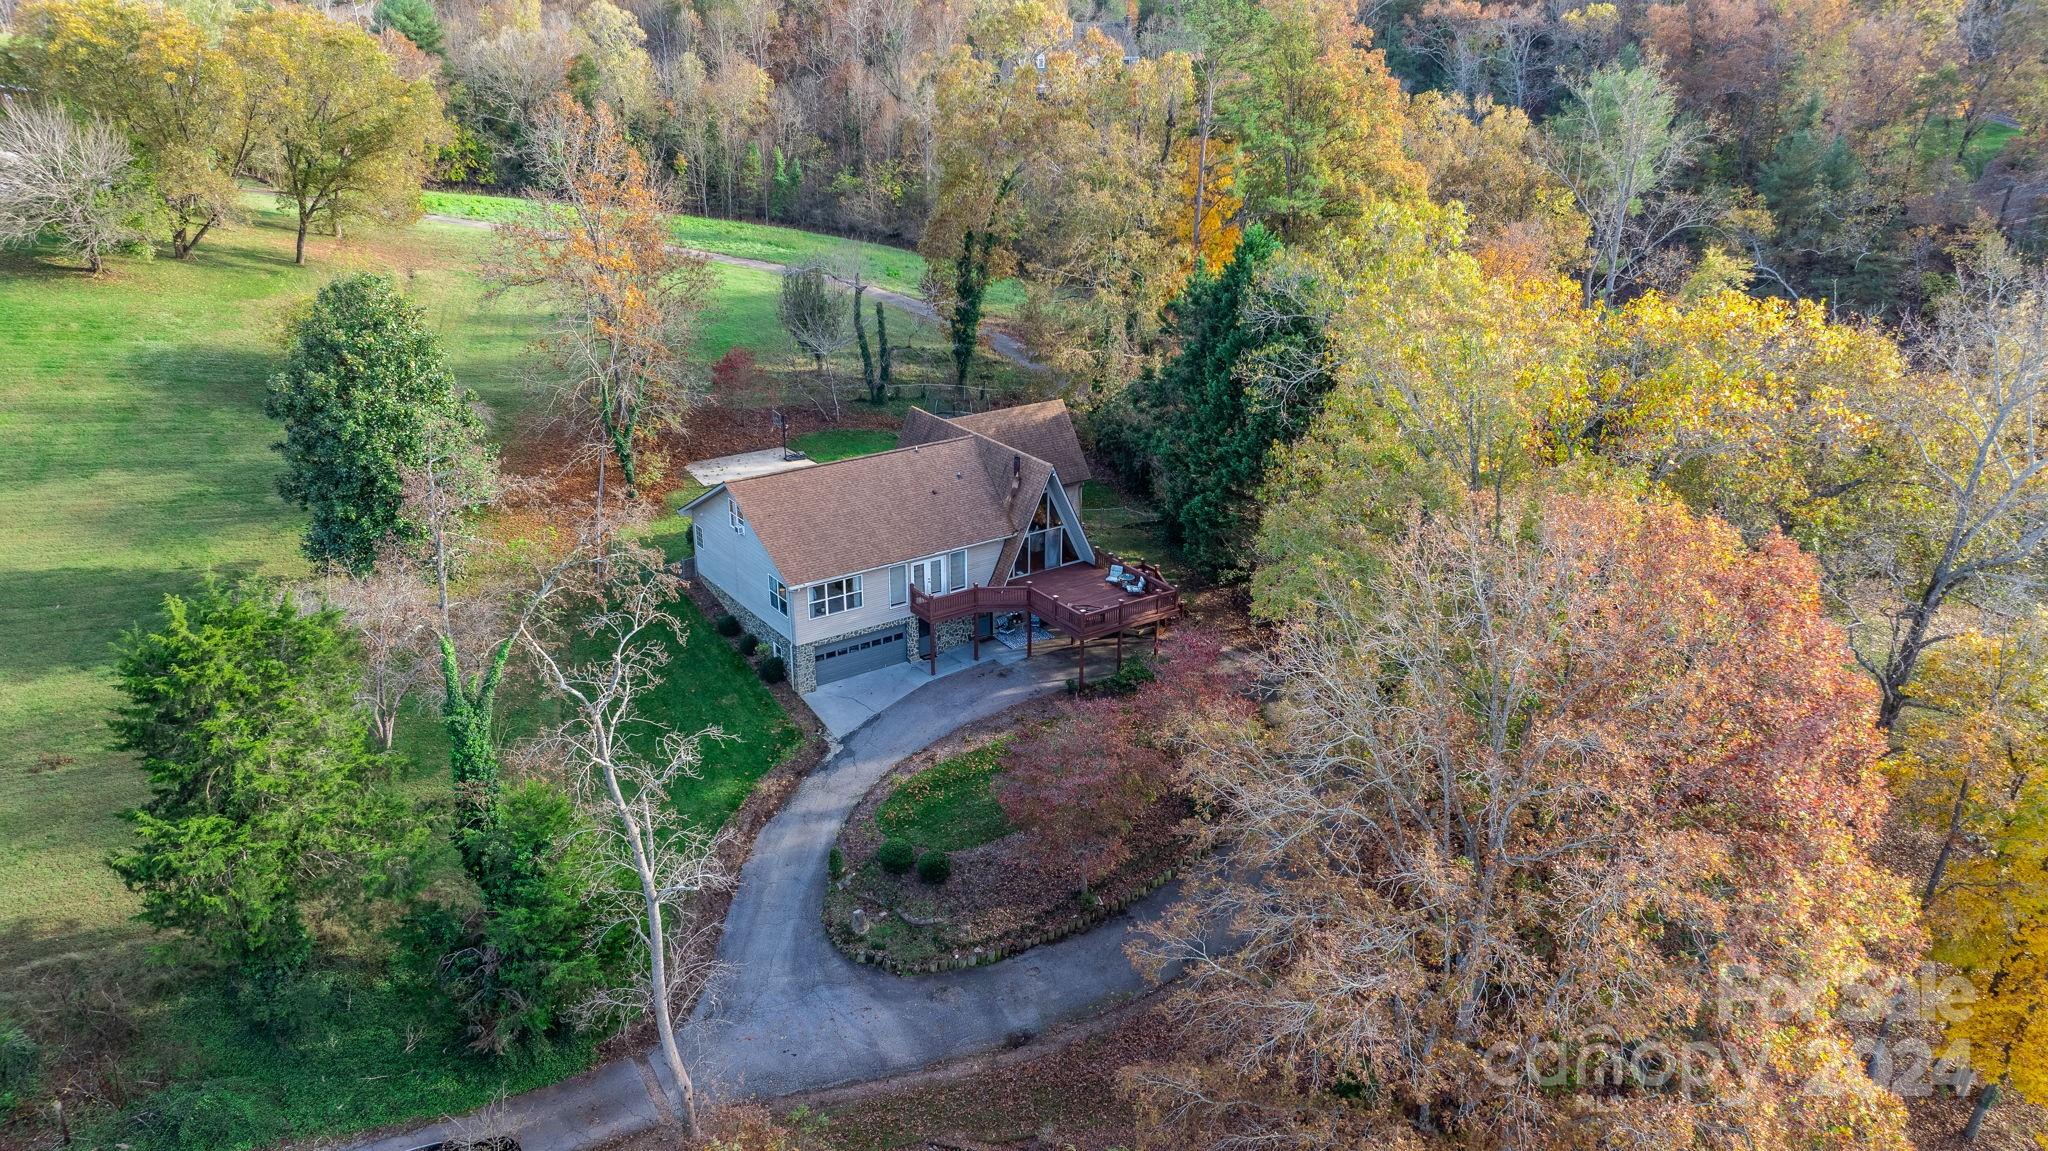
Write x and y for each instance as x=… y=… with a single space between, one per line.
x=68 y=619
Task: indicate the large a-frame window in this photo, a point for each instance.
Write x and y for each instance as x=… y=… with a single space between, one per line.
x=1045 y=542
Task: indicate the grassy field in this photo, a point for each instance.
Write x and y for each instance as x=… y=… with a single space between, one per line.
x=134 y=459
x=898 y=269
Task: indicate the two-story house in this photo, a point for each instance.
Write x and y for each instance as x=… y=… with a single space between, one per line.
x=823 y=563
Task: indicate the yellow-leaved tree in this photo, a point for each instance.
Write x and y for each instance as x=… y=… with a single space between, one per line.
x=1992 y=922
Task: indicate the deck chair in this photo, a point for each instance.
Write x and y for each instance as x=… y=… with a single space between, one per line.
x=1136 y=586
x=1116 y=574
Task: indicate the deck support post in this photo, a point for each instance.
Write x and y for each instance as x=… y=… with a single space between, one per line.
x=1155 y=637
x=1119 y=651
x=974 y=630
x=1028 y=622
x=1080 y=663
x=935 y=651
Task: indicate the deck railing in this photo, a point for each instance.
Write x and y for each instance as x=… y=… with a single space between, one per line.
x=1120 y=614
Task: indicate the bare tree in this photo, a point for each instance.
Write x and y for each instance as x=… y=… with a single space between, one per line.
x=388 y=608
x=1968 y=524
x=75 y=180
x=622 y=765
x=813 y=311
x=1619 y=147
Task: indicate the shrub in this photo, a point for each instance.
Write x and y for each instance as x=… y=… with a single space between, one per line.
x=896 y=856
x=771 y=669
x=835 y=864
x=727 y=626
x=1134 y=674
x=935 y=867
x=748 y=643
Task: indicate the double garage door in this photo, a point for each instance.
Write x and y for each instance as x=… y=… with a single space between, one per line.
x=864 y=653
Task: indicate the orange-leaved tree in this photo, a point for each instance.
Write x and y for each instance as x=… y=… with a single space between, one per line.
x=1536 y=794
x=626 y=301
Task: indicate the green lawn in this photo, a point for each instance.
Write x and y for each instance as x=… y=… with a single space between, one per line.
x=135 y=458
x=844 y=443
x=950 y=805
x=898 y=269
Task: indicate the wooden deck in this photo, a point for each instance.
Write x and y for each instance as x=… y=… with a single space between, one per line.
x=1077 y=601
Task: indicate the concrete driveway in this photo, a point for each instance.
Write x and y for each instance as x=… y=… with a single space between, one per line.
x=789 y=1013
x=745 y=465
x=844 y=706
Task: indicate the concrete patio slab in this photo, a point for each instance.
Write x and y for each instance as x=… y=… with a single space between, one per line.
x=745 y=465
x=844 y=706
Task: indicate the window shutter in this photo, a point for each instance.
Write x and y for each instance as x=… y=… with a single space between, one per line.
x=956 y=570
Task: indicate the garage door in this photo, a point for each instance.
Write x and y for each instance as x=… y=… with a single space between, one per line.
x=858 y=655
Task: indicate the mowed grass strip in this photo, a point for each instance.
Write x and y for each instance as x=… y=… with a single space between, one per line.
x=844 y=443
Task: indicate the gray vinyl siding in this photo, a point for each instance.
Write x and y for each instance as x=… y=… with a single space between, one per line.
x=738 y=565
x=874 y=606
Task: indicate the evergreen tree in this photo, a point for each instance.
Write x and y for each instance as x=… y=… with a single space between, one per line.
x=362 y=382
x=241 y=707
x=412 y=19
x=519 y=961
x=1200 y=431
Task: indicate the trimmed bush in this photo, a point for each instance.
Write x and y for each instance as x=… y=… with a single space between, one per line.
x=771 y=669
x=935 y=867
x=727 y=626
x=896 y=856
x=748 y=643
x=835 y=864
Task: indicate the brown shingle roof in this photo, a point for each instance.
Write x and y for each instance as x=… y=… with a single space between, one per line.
x=1045 y=430
x=871 y=511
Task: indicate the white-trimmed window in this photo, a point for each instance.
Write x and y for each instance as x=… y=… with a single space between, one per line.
x=835 y=596
x=956 y=570
x=778 y=595
x=899 y=585
x=732 y=512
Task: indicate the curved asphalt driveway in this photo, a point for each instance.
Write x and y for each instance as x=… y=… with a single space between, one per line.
x=789 y=1013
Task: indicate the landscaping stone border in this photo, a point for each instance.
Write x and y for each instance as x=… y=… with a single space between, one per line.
x=847 y=942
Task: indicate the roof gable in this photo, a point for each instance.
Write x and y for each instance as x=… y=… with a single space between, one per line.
x=1044 y=430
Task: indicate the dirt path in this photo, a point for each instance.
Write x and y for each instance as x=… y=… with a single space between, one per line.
x=1000 y=342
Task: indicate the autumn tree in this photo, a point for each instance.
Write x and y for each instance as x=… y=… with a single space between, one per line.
x=343 y=136
x=76 y=181
x=1078 y=784
x=622 y=766
x=1971 y=751
x=1967 y=514
x=176 y=92
x=1619 y=146
x=388 y=609
x=1317 y=118
x=595 y=242
x=1487 y=157
x=1994 y=926
x=1527 y=795
x=813 y=312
